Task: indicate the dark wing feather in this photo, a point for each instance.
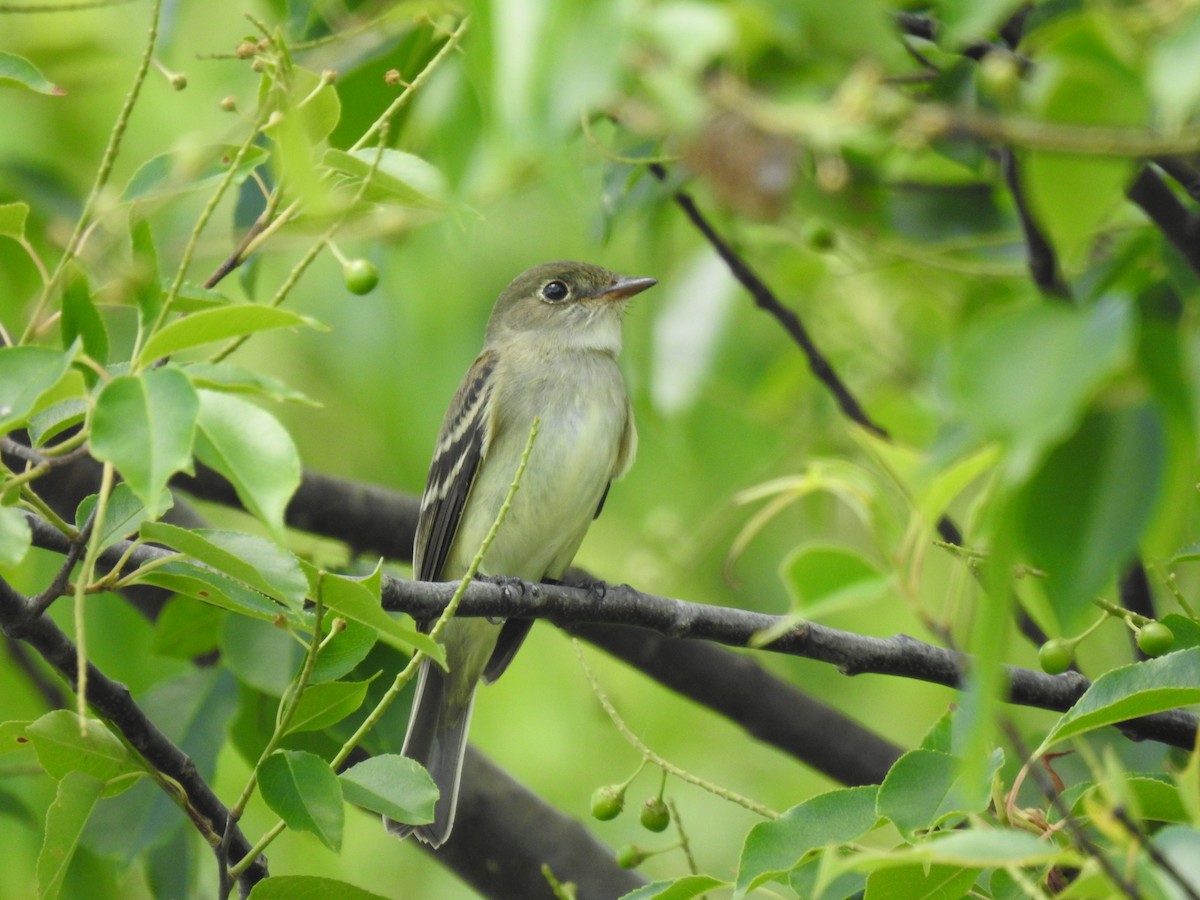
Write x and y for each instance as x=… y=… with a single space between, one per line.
x=460 y=449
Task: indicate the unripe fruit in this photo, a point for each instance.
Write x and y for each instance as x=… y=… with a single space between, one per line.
x=360 y=276
x=655 y=815
x=629 y=856
x=608 y=801
x=1055 y=656
x=1155 y=638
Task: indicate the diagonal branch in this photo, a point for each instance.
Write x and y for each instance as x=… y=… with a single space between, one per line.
x=113 y=701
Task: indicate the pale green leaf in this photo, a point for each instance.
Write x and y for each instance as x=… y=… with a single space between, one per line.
x=189 y=169
x=17 y=70
x=78 y=793
x=391 y=785
x=15 y=536
x=12 y=219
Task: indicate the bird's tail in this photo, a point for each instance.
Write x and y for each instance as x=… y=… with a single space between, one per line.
x=437 y=739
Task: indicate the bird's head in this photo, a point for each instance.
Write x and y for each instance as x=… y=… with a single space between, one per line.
x=567 y=302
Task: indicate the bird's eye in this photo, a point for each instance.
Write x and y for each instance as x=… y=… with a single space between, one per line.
x=555 y=291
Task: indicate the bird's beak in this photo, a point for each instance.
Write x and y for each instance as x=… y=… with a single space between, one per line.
x=624 y=288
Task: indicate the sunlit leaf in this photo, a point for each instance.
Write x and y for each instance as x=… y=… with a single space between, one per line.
x=78 y=793
x=218 y=324
x=392 y=785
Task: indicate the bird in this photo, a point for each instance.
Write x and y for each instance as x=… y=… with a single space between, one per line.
x=549 y=352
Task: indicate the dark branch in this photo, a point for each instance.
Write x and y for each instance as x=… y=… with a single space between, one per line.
x=766 y=300
x=1164 y=209
x=853 y=654
x=1040 y=253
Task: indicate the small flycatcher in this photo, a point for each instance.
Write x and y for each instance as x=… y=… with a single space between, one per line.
x=550 y=352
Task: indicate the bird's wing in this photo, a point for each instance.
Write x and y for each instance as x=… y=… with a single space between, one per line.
x=461 y=446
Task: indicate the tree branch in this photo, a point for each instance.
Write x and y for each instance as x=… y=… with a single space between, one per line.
x=853 y=654
x=1160 y=204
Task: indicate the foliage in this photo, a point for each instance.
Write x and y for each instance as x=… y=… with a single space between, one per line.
x=974 y=417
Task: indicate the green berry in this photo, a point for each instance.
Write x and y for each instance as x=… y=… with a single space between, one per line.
x=629 y=856
x=608 y=801
x=655 y=815
x=1155 y=638
x=1055 y=656
x=360 y=276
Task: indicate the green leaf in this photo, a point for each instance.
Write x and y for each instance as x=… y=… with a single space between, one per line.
x=405 y=178
x=680 y=889
x=61 y=749
x=260 y=654
x=1186 y=631
x=923 y=788
x=302 y=790
x=17 y=70
x=1139 y=689
x=308 y=887
x=81 y=321
x=186 y=629
x=144 y=273
x=1151 y=798
x=987 y=847
x=78 y=793
x=123 y=515
x=1173 y=77
x=1080 y=58
x=1083 y=512
x=218 y=324
x=189 y=169
x=253 y=561
x=358 y=599
x=234 y=379
x=391 y=785
x=774 y=848
x=1025 y=377
x=15 y=536
x=824 y=578
x=144 y=425
x=26 y=374
x=345 y=650
x=55 y=419
x=1179 y=846
x=12 y=219
x=253 y=451
x=220 y=590
x=921 y=882
x=322 y=705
